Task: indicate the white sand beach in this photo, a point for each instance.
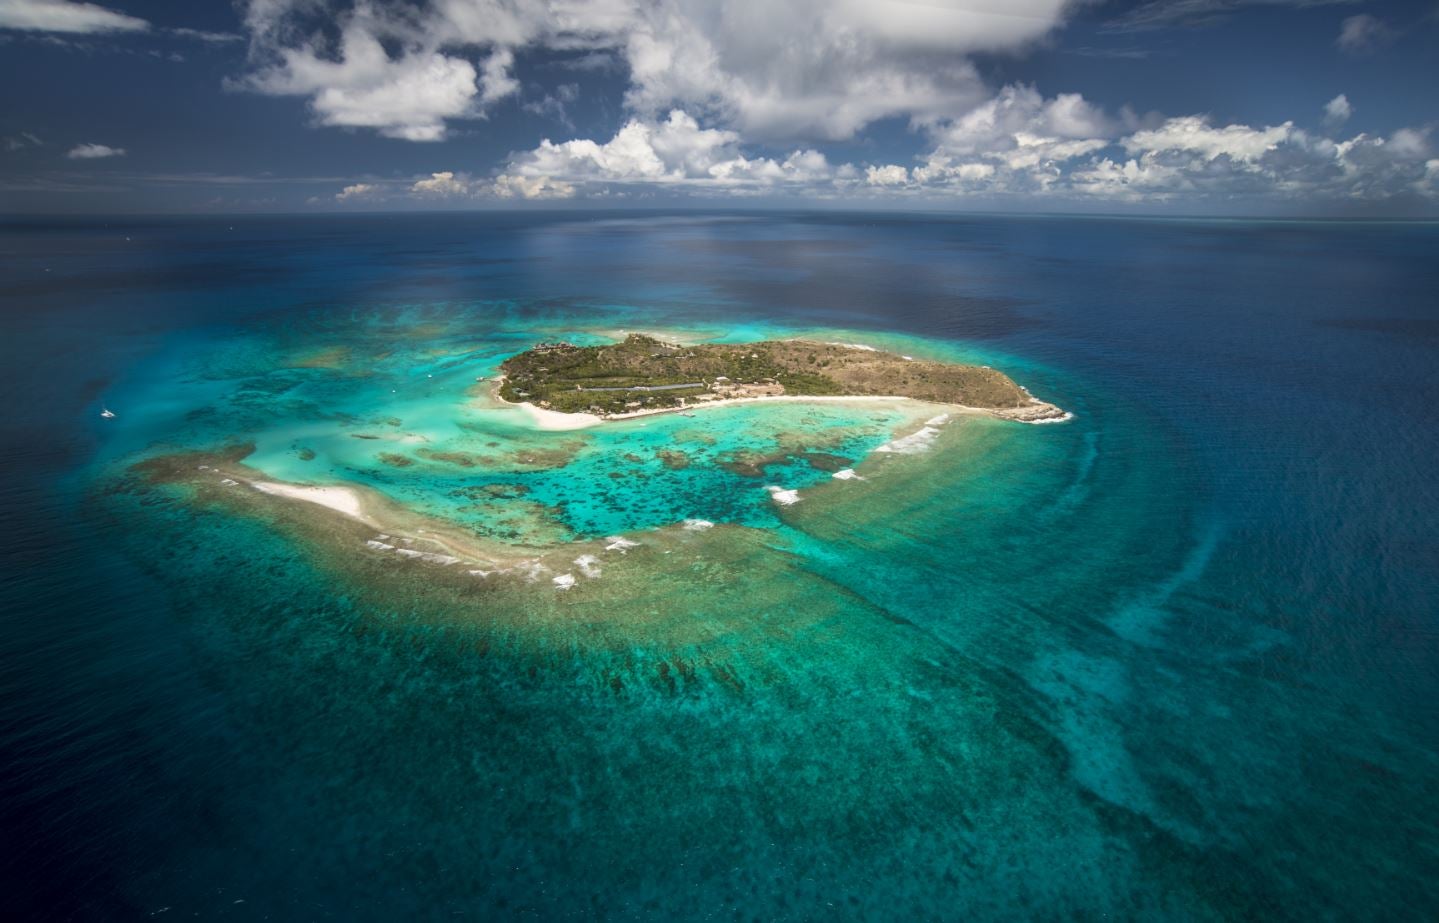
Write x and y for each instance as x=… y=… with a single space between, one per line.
x=554 y=421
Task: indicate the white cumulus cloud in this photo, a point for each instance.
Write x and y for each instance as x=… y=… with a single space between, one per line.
x=1130 y=181
x=499 y=82
x=1016 y=140
x=799 y=69
x=673 y=152
x=1193 y=134
x=444 y=185
x=737 y=98
x=1337 y=111
x=357 y=191
x=362 y=86
x=531 y=187
x=887 y=175
x=816 y=68
x=1187 y=157
x=94 y=152
x=1018 y=143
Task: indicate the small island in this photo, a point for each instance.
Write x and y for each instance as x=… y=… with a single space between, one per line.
x=643 y=374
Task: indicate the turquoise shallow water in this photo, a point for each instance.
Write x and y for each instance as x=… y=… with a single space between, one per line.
x=401 y=401
x=1173 y=658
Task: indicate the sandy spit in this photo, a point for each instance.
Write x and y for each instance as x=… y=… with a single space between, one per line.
x=341 y=499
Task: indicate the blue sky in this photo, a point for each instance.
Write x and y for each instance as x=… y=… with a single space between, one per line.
x=1249 y=107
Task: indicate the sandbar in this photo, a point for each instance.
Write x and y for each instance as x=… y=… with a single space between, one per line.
x=340 y=499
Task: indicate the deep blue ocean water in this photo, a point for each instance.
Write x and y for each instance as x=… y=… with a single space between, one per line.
x=1178 y=657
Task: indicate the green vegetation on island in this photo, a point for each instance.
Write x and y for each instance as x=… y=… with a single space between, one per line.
x=646 y=374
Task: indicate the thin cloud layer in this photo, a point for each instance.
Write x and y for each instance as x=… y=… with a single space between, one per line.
x=1162 y=14
x=66 y=16
x=1363 y=34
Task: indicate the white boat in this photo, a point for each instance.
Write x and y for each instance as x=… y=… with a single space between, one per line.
x=107 y=413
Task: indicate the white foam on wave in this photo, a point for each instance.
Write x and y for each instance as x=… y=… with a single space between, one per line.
x=783 y=496
x=937 y=421
x=564 y=581
x=866 y=348
x=429 y=557
x=847 y=475
x=532 y=571
x=1061 y=419
x=589 y=565
x=698 y=525
x=919 y=441
x=379 y=545
x=620 y=544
